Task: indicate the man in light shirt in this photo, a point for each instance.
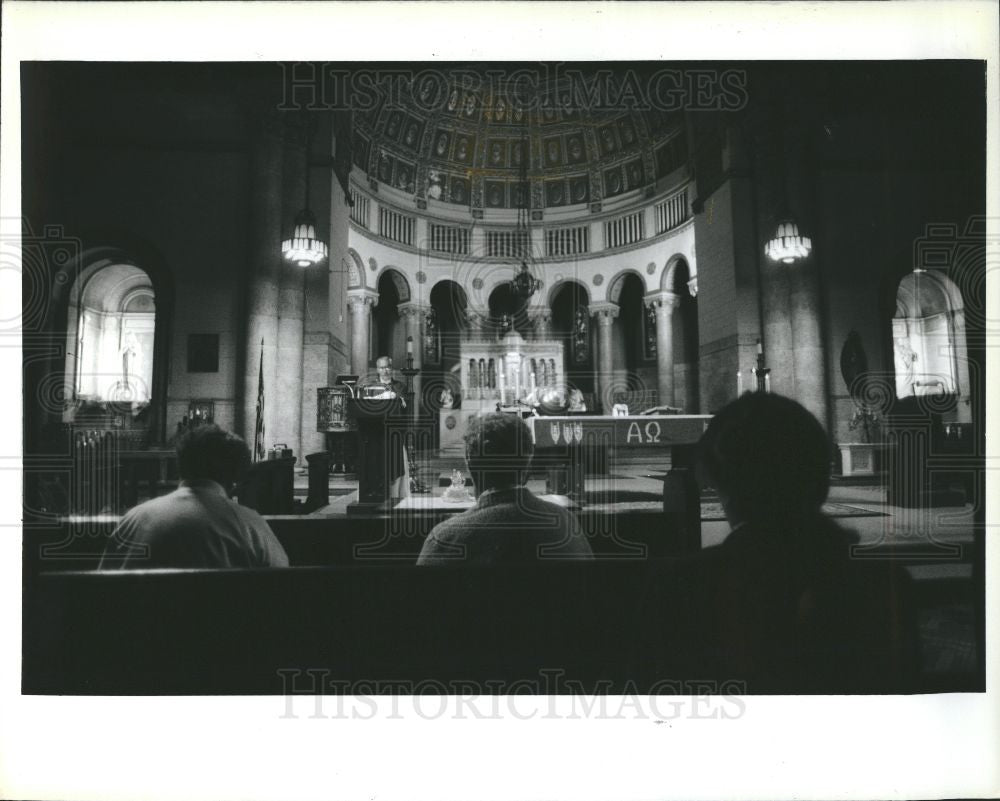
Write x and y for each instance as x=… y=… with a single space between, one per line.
x=197 y=525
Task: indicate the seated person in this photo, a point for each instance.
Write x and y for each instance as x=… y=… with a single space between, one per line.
x=197 y=525
x=509 y=523
x=794 y=610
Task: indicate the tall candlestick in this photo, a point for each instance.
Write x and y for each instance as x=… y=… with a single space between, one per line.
x=409 y=346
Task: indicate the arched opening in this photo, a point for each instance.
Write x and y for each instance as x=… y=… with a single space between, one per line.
x=685 y=330
x=928 y=337
x=635 y=364
x=110 y=335
x=444 y=328
x=390 y=333
x=508 y=310
x=571 y=324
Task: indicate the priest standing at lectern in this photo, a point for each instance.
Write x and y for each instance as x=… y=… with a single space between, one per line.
x=385 y=387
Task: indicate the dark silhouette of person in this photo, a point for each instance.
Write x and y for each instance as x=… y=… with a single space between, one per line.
x=790 y=609
x=509 y=523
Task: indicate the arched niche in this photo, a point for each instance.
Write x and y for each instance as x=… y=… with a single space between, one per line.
x=111 y=336
x=929 y=339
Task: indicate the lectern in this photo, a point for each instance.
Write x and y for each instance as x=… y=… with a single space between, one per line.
x=382 y=426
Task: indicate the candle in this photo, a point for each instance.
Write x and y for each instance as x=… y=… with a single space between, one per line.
x=739 y=383
x=760 y=348
x=532 y=382
x=409 y=346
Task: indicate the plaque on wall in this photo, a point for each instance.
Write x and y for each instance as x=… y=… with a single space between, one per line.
x=203 y=353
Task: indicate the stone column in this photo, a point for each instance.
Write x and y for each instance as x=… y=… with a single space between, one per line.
x=360 y=302
x=664 y=303
x=413 y=318
x=808 y=354
x=265 y=263
x=605 y=314
x=291 y=300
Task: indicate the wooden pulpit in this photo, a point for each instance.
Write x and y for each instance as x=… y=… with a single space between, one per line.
x=382 y=426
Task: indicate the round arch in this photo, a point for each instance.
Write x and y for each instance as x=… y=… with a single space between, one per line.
x=68 y=279
x=558 y=286
x=399 y=281
x=355 y=270
x=676 y=268
x=928 y=337
x=616 y=284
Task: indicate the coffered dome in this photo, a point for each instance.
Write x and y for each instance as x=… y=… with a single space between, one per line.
x=459 y=136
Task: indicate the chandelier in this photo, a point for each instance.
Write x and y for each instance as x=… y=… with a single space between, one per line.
x=524 y=283
x=788 y=245
x=303 y=248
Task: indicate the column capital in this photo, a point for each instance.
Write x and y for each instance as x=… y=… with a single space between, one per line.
x=413 y=309
x=362 y=298
x=662 y=299
x=605 y=312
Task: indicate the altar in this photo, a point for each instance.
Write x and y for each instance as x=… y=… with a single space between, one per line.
x=506 y=372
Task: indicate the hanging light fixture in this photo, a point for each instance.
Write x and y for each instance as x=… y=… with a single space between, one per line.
x=304 y=248
x=788 y=245
x=524 y=283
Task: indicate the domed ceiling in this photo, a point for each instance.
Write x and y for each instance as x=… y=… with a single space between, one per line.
x=445 y=140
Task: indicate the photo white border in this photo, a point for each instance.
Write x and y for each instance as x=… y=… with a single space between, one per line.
x=225 y=747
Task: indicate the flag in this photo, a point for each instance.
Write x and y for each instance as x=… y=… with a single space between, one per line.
x=258 y=437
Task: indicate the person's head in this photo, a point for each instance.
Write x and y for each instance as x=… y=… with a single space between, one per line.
x=207 y=452
x=768 y=458
x=498 y=450
x=383 y=366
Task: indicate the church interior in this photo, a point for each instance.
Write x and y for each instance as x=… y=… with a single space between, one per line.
x=614 y=251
